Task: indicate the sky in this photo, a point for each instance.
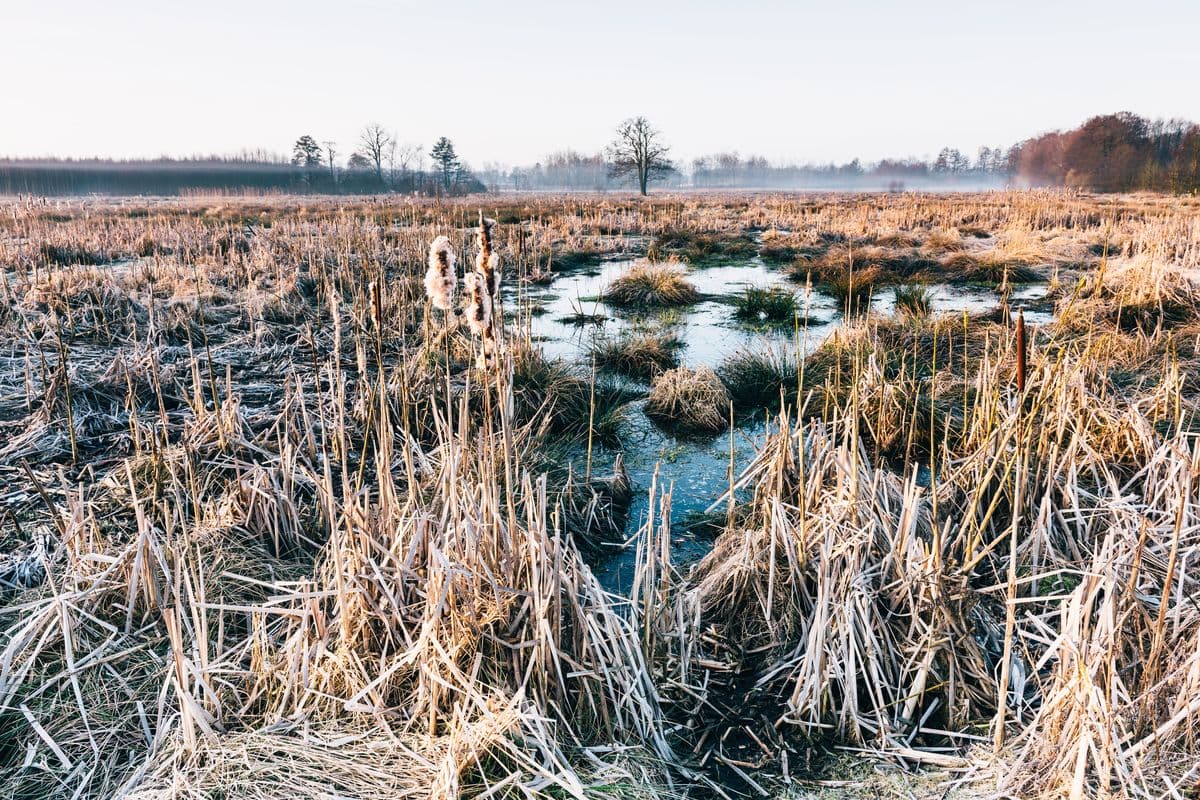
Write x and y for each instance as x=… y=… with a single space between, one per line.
x=513 y=80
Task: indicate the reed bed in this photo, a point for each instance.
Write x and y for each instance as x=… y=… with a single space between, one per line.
x=291 y=504
x=1012 y=618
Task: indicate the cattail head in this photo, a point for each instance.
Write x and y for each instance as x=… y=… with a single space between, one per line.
x=441 y=279
x=486 y=224
x=489 y=266
x=479 y=304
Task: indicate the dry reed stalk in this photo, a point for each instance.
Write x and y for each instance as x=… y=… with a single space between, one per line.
x=317 y=553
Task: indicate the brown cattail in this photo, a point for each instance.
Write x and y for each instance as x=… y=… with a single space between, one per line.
x=479 y=305
x=487 y=261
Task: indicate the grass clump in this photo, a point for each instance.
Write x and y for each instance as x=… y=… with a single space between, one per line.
x=689 y=401
x=650 y=285
x=891 y=263
x=637 y=354
x=698 y=246
x=759 y=379
x=1011 y=260
x=776 y=252
x=548 y=392
x=946 y=240
x=913 y=300
x=769 y=304
x=853 y=288
x=990 y=266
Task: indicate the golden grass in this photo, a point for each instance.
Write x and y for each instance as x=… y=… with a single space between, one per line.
x=651 y=284
x=278 y=533
x=689 y=400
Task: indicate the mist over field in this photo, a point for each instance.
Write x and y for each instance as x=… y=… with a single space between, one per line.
x=1110 y=153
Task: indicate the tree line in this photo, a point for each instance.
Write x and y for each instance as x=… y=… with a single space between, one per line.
x=1115 y=153
x=380 y=162
x=1110 y=153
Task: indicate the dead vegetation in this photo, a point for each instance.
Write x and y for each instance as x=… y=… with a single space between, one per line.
x=689 y=400
x=649 y=284
x=272 y=526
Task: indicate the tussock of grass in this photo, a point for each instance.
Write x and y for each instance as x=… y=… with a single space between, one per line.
x=1012 y=259
x=853 y=289
x=890 y=264
x=989 y=266
x=553 y=395
x=637 y=354
x=780 y=248
x=759 y=379
x=689 y=401
x=576 y=259
x=698 y=246
x=650 y=285
x=894 y=240
x=766 y=304
x=946 y=240
x=913 y=300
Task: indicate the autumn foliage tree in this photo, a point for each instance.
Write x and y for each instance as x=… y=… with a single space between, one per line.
x=1113 y=153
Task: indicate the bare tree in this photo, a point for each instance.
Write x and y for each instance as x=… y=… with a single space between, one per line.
x=374 y=143
x=402 y=159
x=331 y=150
x=639 y=150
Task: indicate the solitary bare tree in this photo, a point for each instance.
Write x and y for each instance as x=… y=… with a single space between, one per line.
x=331 y=150
x=639 y=150
x=374 y=143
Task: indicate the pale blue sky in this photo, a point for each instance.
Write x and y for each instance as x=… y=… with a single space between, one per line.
x=512 y=81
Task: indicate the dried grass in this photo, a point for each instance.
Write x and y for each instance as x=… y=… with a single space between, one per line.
x=689 y=400
x=272 y=532
x=650 y=284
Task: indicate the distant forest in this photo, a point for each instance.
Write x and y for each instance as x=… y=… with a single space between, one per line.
x=1110 y=153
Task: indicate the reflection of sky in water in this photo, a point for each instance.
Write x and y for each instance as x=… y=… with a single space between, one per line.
x=698 y=468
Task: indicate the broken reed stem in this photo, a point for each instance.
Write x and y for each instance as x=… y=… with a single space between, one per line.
x=1021 y=356
x=65 y=371
x=591 y=432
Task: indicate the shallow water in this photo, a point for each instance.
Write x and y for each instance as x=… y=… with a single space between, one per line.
x=696 y=469
x=708 y=328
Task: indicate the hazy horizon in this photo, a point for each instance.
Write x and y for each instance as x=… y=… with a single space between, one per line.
x=510 y=83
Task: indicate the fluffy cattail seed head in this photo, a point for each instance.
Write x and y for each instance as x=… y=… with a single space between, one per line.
x=490 y=266
x=441 y=279
x=479 y=304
